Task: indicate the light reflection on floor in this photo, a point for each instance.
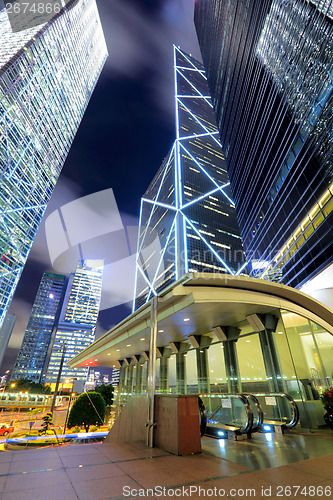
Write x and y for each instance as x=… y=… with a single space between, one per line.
x=271 y=450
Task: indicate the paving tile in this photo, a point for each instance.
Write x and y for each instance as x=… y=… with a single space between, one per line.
x=162 y=477
x=6 y=456
x=84 y=459
x=103 y=488
x=36 y=480
x=3 y=480
x=94 y=472
x=4 y=467
x=35 y=454
x=50 y=493
x=36 y=464
x=286 y=476
x=323 y=467
x=78 y=449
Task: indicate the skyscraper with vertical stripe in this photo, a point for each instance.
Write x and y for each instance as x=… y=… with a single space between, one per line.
x=269 y=67
x=47 y=76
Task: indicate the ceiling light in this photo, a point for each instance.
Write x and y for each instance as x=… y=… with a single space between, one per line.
x=128 y=345
x=109 y=353
x=160 y=331
x=142 y=339
x=186 y=319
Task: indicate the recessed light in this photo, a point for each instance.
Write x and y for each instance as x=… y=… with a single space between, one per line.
x=142 y=339
x=248 y=341
x=186 y=319
x=128 y=345
x=109 y=353
x=96 y=359
x=160 y=331
x=117 y=350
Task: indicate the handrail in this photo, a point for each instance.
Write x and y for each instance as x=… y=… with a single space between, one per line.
x=256 y=426
x=247 y=428
x=295 y=412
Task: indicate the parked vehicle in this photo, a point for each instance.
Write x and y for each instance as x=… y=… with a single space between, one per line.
x=6 y=429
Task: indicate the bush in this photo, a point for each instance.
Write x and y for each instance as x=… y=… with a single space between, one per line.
x=93 y=428
x=87 y=410
x=76 y=429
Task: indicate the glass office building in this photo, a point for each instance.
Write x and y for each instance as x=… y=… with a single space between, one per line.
x=78 y=318
x=269 y=67
x=47 y=76
x=187 y=220
x=35 y=349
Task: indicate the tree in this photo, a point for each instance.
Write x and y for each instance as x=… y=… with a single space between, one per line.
x=26 y=385
x=87 y=410
x=47 y=422
x=106 y=391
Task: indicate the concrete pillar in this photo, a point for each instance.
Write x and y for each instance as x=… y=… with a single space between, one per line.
x=231 y=367
x=129 y=379
x=181 y=386
x=164 y=374
x=271 y=361
x=203 y=370
x=138 y=378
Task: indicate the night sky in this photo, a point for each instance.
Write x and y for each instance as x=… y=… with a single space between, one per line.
x=126 y=132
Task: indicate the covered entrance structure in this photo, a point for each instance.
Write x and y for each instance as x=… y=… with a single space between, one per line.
x=219 y=334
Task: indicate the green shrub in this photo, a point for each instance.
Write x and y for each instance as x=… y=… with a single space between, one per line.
x=87 y=410
x=93 y=428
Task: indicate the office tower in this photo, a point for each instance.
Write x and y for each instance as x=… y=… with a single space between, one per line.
x=187 y=219
x=269 y=66
x=34 y=351
x=78 y=318
x=47 y=76
x=5 y=333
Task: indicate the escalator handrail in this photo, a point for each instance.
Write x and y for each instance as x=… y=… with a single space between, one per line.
x=256 y=426
x=247 y=428
x=295 y=418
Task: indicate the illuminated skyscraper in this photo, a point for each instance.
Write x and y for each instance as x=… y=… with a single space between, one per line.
x=269 y=66
x=47 y=76
x=5 y=333
x=78 y=318
x=188 y=220
x=35 y=348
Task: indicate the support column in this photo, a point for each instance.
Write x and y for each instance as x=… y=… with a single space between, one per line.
x=270 y=355
x=129 y=379
x=164 y=374
x=203 y=370
x=138 y=379
x=152 y=372
x=181 y=386
x=231 y=367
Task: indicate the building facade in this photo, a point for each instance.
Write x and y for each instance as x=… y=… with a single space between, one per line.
x=35 y=349
x=188 y=220
x=47 y=76
x=269 y=67
x=5 y=333
x=78 y=318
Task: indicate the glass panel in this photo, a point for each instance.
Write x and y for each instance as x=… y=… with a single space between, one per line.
x=324 y=341
x=218 y=379
x=191 y=372
x=251 y=364
x=291 y=383
x=305 y=354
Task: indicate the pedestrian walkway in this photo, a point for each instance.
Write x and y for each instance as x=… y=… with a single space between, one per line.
x=112 y=471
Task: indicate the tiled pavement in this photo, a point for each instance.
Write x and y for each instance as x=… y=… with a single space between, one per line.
x=109 y=471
